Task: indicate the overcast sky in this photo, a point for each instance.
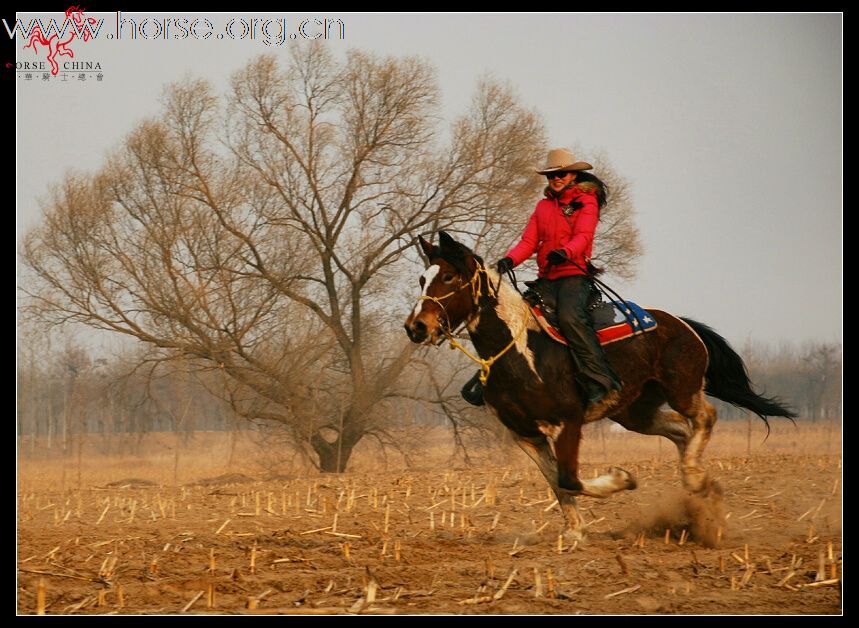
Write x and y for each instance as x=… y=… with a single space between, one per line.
x=728 y=128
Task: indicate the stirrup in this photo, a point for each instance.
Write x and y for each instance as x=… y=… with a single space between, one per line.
x=472 y=392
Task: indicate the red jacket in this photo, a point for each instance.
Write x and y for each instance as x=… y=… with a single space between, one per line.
x=549 y=229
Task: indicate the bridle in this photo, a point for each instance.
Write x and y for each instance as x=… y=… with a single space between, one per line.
x=474 y=283
x=476 y=291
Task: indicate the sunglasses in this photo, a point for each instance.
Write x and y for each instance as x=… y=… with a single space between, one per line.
x=556 y=175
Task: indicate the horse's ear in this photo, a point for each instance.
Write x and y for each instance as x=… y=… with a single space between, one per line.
x=427 y=247
x=447 y=242
x=456 y=253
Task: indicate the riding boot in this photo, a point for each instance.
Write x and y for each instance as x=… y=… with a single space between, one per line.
x=601 y=383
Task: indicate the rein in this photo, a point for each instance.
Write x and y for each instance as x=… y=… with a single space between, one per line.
x=606 y=290
x=474 y=282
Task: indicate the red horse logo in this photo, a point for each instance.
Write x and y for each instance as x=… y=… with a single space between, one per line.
x=54 y=45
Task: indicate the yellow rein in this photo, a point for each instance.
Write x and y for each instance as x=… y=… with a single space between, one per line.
x=485 y=365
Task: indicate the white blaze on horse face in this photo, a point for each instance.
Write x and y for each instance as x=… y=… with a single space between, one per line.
x=429 y=275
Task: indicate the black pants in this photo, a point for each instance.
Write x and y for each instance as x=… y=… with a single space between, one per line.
x=572 y=295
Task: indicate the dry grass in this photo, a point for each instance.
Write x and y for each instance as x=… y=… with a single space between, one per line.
x=211 y=454
x=140 y=535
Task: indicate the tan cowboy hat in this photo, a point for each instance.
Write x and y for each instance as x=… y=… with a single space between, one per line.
x=563 y=160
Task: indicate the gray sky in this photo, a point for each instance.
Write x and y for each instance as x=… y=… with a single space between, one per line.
x=727 y=127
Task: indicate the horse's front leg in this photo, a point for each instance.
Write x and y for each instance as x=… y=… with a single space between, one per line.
x=564 y=440
x=541 y=452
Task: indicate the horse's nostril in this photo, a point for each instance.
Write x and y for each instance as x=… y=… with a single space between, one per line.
x=419 y=327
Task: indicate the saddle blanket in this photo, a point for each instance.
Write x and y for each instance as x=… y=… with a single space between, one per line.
x=613 y=321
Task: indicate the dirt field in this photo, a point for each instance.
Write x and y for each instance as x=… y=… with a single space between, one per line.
x=161 y=534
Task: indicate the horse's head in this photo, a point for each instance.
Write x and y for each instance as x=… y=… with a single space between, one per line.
x=450 y=285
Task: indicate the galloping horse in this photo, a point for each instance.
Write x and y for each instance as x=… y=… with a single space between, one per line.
x=530 y=378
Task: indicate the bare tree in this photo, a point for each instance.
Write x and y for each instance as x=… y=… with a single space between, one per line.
x=260 y=233
x=821 y=372
x=617 y=245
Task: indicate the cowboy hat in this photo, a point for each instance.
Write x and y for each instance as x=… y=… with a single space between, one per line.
x=563 y=160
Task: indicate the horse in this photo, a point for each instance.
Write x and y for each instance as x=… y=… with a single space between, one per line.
x=529 y=381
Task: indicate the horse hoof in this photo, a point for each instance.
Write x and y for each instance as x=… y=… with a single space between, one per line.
x=623 y=479
x=572 y=536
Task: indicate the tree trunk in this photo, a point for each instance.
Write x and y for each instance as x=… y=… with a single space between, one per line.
x=748 y=434
x=234 y=438
x=50 y=424
x=330 y=453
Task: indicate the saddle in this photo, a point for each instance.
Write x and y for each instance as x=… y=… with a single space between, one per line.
x=613 y=320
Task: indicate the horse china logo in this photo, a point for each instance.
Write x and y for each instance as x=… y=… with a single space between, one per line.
x=56 y=40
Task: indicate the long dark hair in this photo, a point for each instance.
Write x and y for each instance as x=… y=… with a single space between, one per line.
x=588 y=180
x=602 y=190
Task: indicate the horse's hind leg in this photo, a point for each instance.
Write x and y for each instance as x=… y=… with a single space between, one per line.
x=702 y=415
x=704 y=504
x=688 y=426
x=645 y=416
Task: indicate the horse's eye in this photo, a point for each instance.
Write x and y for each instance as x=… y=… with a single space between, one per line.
x=447 y=278
x=422 y=281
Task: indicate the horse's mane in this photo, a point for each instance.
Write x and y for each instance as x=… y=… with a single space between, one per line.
x=454 y=253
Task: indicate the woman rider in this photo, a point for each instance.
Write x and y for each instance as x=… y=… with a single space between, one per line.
x=561 y=232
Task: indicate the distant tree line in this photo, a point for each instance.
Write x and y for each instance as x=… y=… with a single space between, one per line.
x=807 y=376
x=63 y=393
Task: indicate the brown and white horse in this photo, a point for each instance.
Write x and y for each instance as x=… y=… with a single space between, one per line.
x=530 y=378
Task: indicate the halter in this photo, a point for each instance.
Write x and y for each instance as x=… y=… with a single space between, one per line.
x=474 y=282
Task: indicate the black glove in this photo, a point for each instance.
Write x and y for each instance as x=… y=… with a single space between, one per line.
x=558 y=256
x=504 y=264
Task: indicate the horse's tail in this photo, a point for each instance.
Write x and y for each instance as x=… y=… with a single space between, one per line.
x=728 y=379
